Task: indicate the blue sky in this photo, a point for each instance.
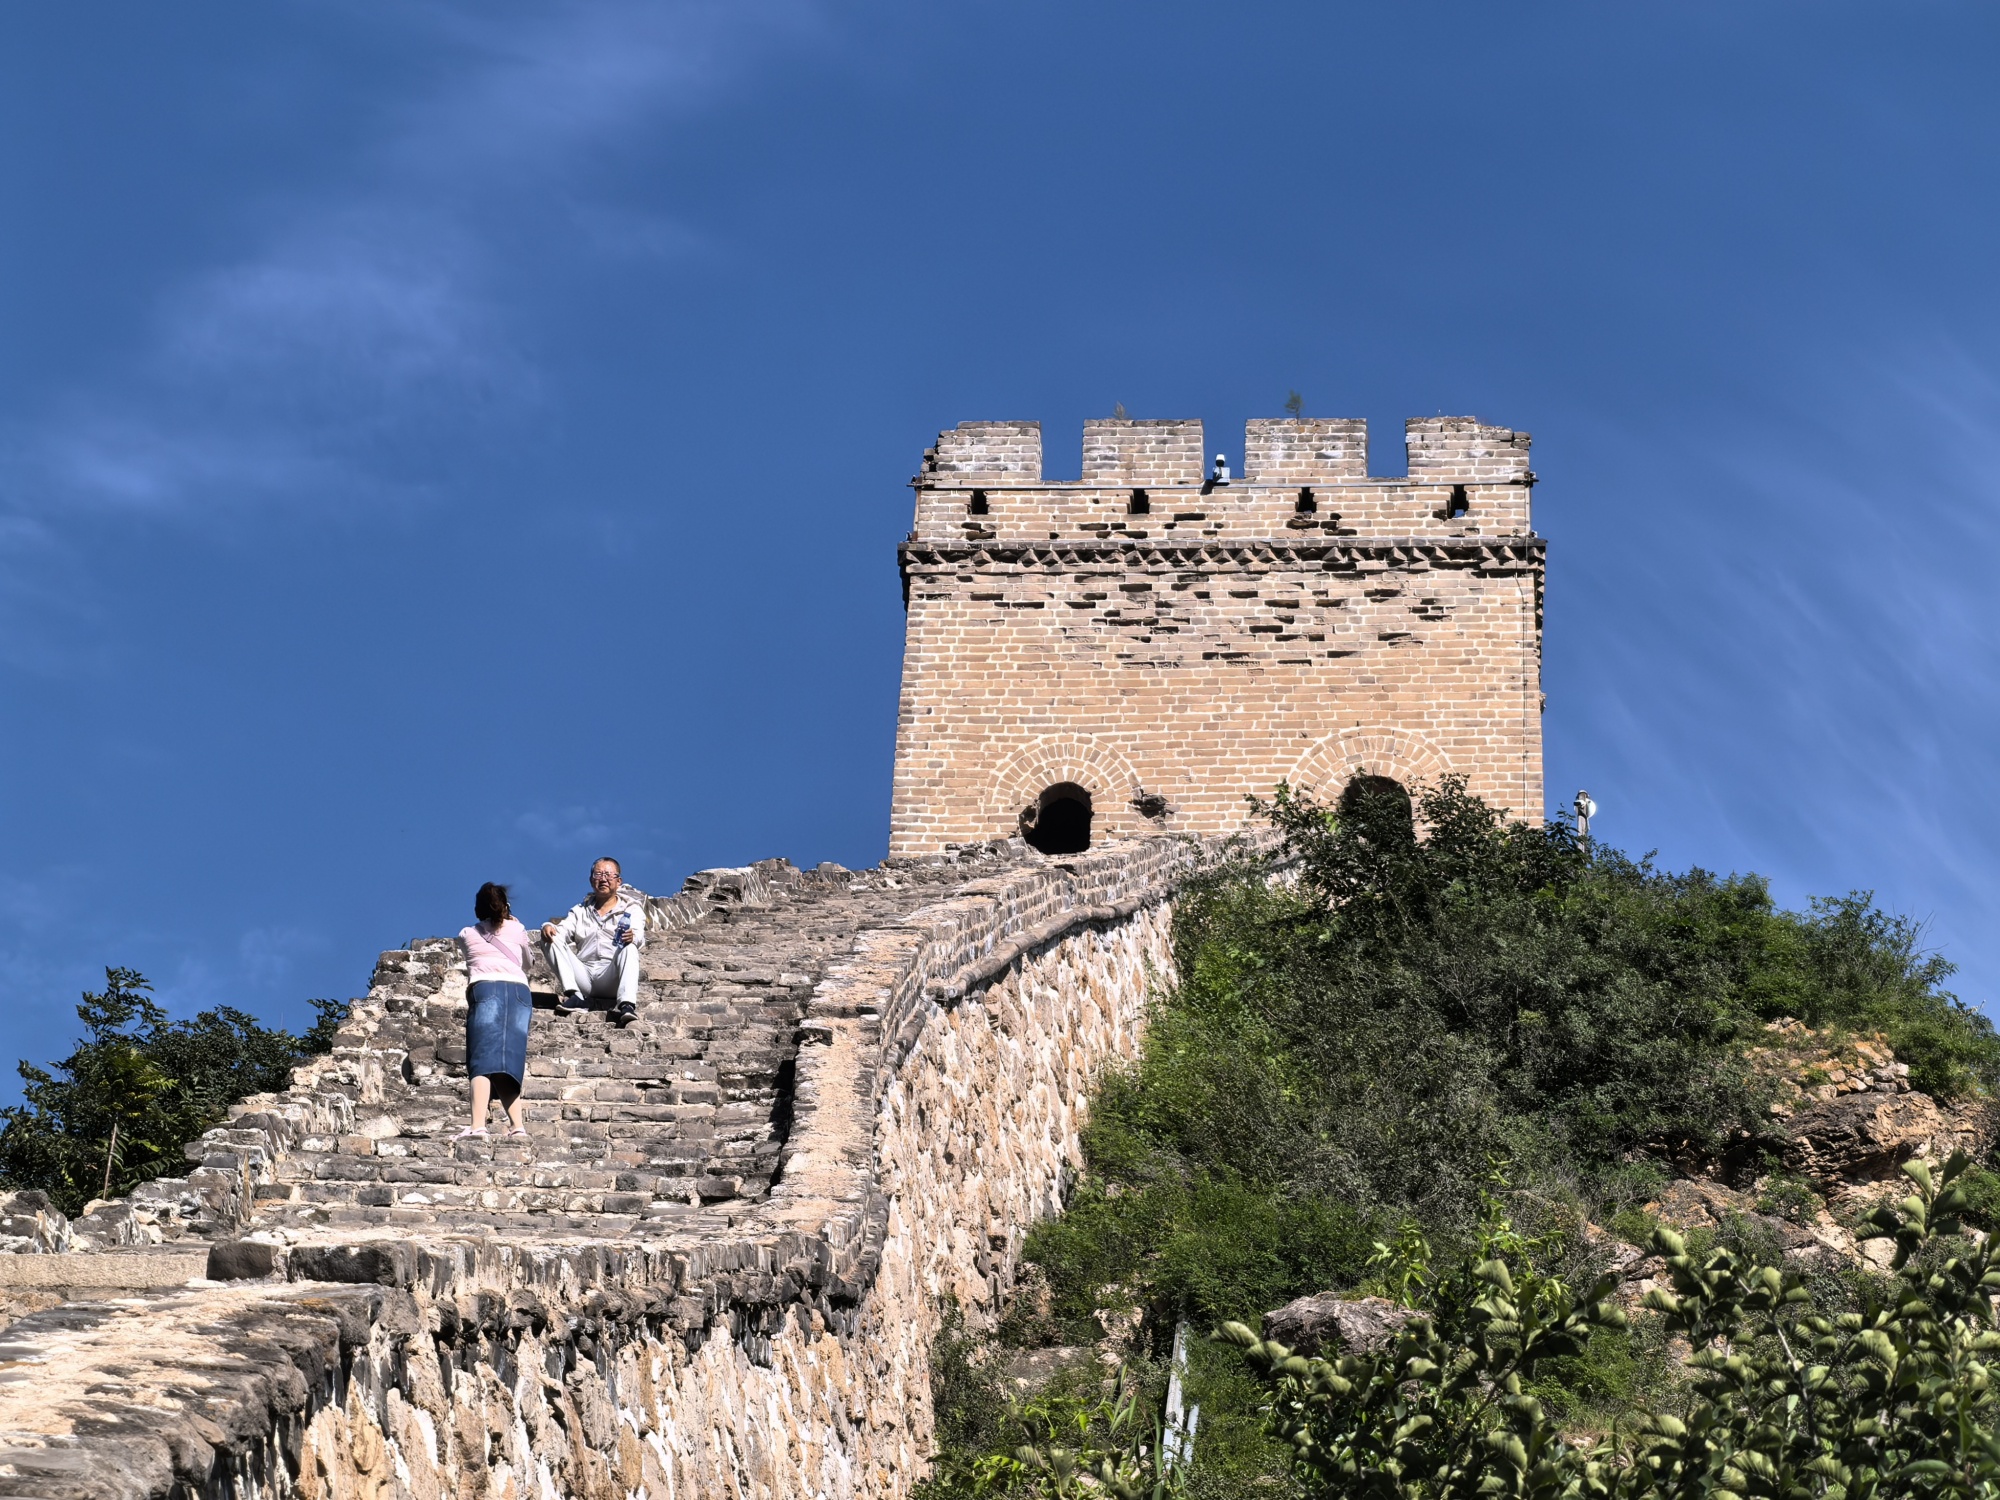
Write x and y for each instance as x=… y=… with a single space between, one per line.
x=442 y=442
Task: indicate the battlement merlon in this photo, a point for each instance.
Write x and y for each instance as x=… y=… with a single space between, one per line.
x=1463 y=450
x=974 y=452
x=1149 y=480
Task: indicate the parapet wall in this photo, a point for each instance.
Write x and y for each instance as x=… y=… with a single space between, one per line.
x=942 y=1073
x=1306 y=450
x=1120 y=452
x=1276 y=450
x=1302 y=477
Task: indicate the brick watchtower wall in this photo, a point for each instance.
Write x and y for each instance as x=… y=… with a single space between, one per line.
x=1168 y=645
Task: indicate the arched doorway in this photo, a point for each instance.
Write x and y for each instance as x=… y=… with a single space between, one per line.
x=1380 y=808
x=1058 y=821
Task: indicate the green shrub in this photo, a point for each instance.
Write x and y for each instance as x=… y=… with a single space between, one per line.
x=117 y=1111
x=1894 y=1399
x=1354 y=1051
x=968 y=1405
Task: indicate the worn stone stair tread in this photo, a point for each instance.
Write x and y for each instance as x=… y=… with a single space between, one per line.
x=682 y=1108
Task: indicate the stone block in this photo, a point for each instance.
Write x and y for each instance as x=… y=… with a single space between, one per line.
x=378 y=1262
x=242 y=1260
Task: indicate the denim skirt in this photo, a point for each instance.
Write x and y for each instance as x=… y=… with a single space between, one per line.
x=496 y=1029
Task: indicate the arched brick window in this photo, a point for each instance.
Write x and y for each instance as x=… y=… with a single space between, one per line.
x=1058 y=821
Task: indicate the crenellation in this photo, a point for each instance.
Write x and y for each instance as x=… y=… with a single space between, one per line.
x=987 y=450
x=1465 y=450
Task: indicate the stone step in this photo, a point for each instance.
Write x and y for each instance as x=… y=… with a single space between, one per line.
x=517 y=1198
x=682 y=1105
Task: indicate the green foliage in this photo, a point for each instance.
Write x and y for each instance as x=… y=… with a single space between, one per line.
x=1343 y=1059
x=968 y=1405
x=1322 y=1096
x=1073 y=1437
x=1076 y=1447
x=1897 y=1398
x=1444 y=1409
x=1173 y=1241
x=1981 y=1188
x=119 y=1109
x=1353 y=1051
x=1789 y=1196
x=1846 y=964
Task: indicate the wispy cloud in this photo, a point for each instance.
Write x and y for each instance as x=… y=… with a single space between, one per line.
x=1804 y=676
x=372 y=316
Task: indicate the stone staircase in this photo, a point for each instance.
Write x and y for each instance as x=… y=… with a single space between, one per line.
x=677 y=1120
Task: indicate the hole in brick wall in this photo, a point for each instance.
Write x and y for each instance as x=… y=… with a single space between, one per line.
x=1058 y=822
x=976 y=506
x=1458 y=505
x=1307 y=504
x=1380 y=807
x=1142 y=504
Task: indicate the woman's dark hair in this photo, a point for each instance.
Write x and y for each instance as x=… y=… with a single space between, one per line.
x=490 y=905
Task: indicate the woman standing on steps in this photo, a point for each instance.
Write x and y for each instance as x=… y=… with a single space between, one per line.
x=497 y=1010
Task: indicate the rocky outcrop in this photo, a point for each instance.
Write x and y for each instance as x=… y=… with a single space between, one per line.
x=1806 y=1065
x=1846 y=1116
x=31 y=1225
x=1862 y=1138
x=714 y=1268
x=1328 y=1324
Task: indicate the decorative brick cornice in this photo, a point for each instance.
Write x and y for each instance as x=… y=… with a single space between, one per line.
x=1490 y=554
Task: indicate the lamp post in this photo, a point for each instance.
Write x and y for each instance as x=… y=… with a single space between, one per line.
x=1586 y=809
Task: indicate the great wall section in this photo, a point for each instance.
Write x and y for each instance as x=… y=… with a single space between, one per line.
x=717 y=1264
x=671 y=1288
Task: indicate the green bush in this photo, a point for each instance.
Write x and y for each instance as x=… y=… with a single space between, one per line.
x=117 y=1111
x=1357 y=1049
x=1784 y=1400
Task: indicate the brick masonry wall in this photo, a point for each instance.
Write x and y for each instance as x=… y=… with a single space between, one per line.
x=1302 y=624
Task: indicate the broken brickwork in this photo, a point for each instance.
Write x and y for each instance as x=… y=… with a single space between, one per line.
x=1170 y=645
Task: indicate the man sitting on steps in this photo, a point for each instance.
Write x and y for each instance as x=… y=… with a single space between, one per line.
x=595 y=949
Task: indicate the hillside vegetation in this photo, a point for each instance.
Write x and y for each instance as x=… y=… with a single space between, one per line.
x=1353 y=1065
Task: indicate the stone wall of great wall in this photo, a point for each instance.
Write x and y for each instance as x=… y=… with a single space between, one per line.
x=714 y=1269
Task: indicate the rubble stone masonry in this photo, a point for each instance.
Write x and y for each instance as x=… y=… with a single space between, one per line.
x=1170 y=645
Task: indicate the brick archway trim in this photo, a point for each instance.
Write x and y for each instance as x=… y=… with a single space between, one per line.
x=1096 y=766
x=1367 y=750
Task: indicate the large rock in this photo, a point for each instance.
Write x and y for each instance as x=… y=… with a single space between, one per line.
x=1970 y=1125
x=31 y=1225
x=1863 y=1137
x=1329 y=1324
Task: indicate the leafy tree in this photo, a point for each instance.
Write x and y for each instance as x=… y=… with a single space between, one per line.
x=119 y=1109
x=1788 y=1401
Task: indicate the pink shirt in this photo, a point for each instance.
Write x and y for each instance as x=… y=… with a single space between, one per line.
x=496 y=955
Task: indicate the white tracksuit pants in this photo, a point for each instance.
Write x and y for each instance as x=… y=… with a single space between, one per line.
x=612 y=976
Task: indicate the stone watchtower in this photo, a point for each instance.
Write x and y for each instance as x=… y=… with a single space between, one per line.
x=1137 y=650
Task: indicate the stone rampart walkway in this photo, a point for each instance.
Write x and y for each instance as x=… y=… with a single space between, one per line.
x=674 y=1121
x=714 y=1267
